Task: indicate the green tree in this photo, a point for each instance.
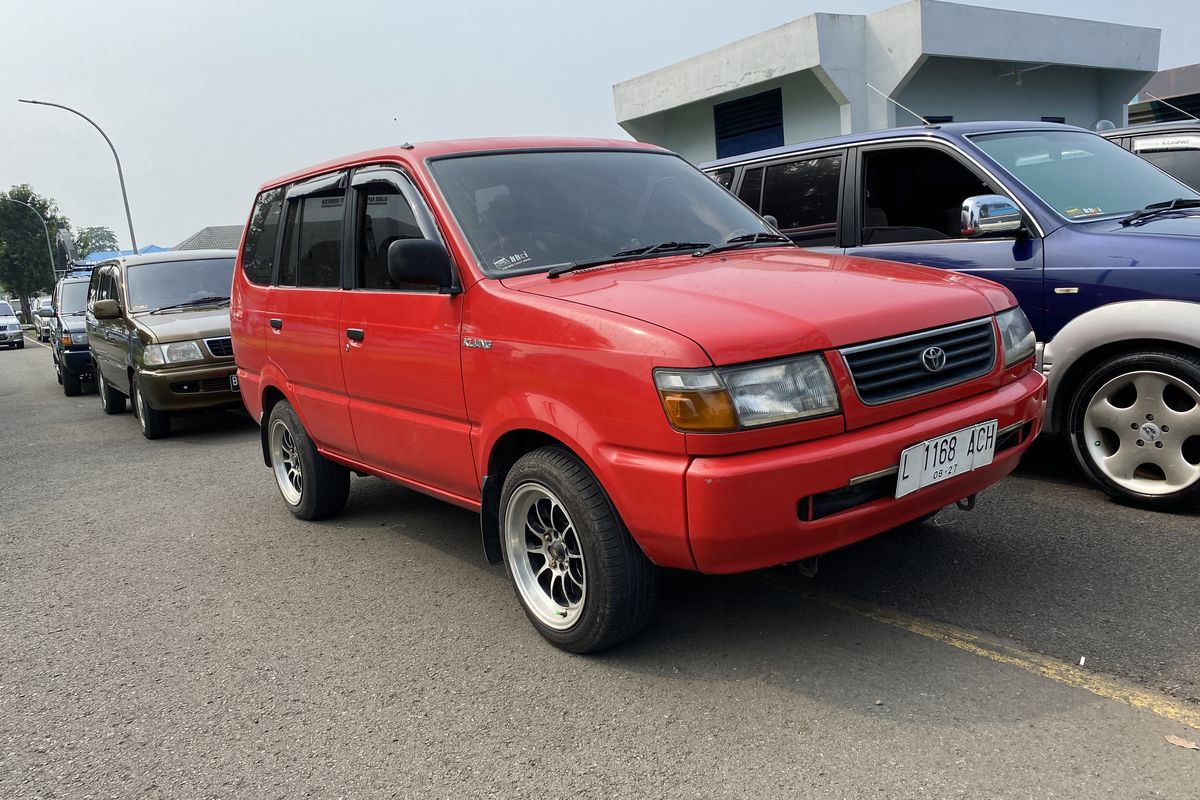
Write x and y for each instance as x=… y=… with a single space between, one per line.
x=97 y=239
x=25 y=266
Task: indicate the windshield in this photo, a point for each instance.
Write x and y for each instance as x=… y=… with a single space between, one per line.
x=170 y=283
x=1079 y=174
x=73 y=298
x=6 y=310
x=526 y=212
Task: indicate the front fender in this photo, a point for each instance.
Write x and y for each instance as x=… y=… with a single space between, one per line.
x=646 y=488
x=1168 y=321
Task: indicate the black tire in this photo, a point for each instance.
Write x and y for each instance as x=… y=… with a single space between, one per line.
x=21 y=345
x=1149 y=442
x=622 y=584
x=155 y=424
x=325 y=485
x=72 y=386
x=112 y=401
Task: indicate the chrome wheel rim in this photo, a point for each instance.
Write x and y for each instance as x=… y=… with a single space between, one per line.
x=285 y=461
x=1142 y=430
x=103 y=395
x=545 y=556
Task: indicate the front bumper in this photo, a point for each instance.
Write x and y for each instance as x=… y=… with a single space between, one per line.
x=190 y=388
x=9 y=337
x=754 y=510
x=77 y=362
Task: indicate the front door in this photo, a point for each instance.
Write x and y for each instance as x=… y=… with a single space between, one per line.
x=109 y=338
x=401 y=347
x=303 y=338
x=909 y=204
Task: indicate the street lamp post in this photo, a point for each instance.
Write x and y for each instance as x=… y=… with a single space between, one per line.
x=120 y=174
x=45 y=227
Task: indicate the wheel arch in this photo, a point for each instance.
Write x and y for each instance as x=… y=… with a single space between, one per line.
x=271 y=395
x=1107 y=332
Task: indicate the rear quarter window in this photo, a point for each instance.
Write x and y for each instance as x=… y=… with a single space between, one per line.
x=258 y=255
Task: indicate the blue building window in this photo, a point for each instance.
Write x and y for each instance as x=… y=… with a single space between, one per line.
x=749 y=123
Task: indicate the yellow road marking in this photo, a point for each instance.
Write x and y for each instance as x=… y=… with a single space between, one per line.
x=977 y=644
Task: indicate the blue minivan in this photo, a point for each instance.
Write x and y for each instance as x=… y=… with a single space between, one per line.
x=1101 y=247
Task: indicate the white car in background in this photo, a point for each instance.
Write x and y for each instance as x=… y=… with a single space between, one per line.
x=41 y=325
x=10 y=328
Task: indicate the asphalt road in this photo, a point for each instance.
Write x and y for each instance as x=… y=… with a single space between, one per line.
x=167 y=629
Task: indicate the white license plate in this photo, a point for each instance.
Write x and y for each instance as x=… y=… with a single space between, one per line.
x=233 y=383
x=936 y=460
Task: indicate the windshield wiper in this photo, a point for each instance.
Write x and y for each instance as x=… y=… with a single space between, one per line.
x=199 y=301
x=624 y=255
x=734 y=242
x=1160 y=208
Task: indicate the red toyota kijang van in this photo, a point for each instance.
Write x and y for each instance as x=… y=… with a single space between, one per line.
x=616 y=362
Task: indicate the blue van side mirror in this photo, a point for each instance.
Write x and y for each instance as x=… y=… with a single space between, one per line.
x=989 y=215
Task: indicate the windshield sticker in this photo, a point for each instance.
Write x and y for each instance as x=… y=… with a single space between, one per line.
x=1083 y=212
x=510 y=261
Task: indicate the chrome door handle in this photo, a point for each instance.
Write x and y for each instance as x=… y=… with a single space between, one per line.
x=277 y=324
x=355 y=334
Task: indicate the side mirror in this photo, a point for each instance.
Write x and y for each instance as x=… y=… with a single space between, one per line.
x=422 y=262
x=770 y=220
x=990 y=214
x=106 y=309
x=46 y=313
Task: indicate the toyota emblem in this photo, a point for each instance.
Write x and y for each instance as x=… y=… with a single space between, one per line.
x=933 y=359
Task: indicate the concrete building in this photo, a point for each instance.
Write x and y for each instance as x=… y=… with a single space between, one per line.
x=1179 y=86
x=808 y=78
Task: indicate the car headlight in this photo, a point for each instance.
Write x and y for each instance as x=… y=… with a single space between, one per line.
x=711 y=400
x=1016 y=335
x=77 y=338
x=172 y=353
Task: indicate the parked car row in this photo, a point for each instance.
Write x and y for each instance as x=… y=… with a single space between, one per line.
x=152 y=330
x=622 y=366
x=1100 y=247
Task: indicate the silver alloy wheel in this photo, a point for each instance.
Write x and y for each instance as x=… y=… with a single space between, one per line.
x=545 y=556
x=285 y=461
x=1137 y=428
x=139 y=405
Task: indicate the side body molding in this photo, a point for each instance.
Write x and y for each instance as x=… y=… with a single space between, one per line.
x=1171 y=321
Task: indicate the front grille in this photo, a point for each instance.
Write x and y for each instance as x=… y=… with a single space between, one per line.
x=220 y=348
x=895 y=368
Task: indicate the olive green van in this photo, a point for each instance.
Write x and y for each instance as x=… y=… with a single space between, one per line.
x=158 y=327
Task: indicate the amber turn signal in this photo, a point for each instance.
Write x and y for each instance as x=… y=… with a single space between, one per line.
x=65 y=340
x=695 y=400
x=699 y=411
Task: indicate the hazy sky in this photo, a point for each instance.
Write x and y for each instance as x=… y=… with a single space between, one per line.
x=206 y=100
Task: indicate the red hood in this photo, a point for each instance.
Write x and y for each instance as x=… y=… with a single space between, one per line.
x=751 y=305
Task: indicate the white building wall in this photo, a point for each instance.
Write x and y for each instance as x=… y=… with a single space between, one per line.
x=971 y=90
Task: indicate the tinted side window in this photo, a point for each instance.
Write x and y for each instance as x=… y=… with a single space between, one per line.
x=291 y=245
x=915 y=194
x=803 y=197
x=384 y=216
x=258 y=256
x=750 y=191
x=319 y=258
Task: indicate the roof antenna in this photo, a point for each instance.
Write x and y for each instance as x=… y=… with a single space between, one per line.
x=405 y=144
x=1168 y=105
x=924 y=121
